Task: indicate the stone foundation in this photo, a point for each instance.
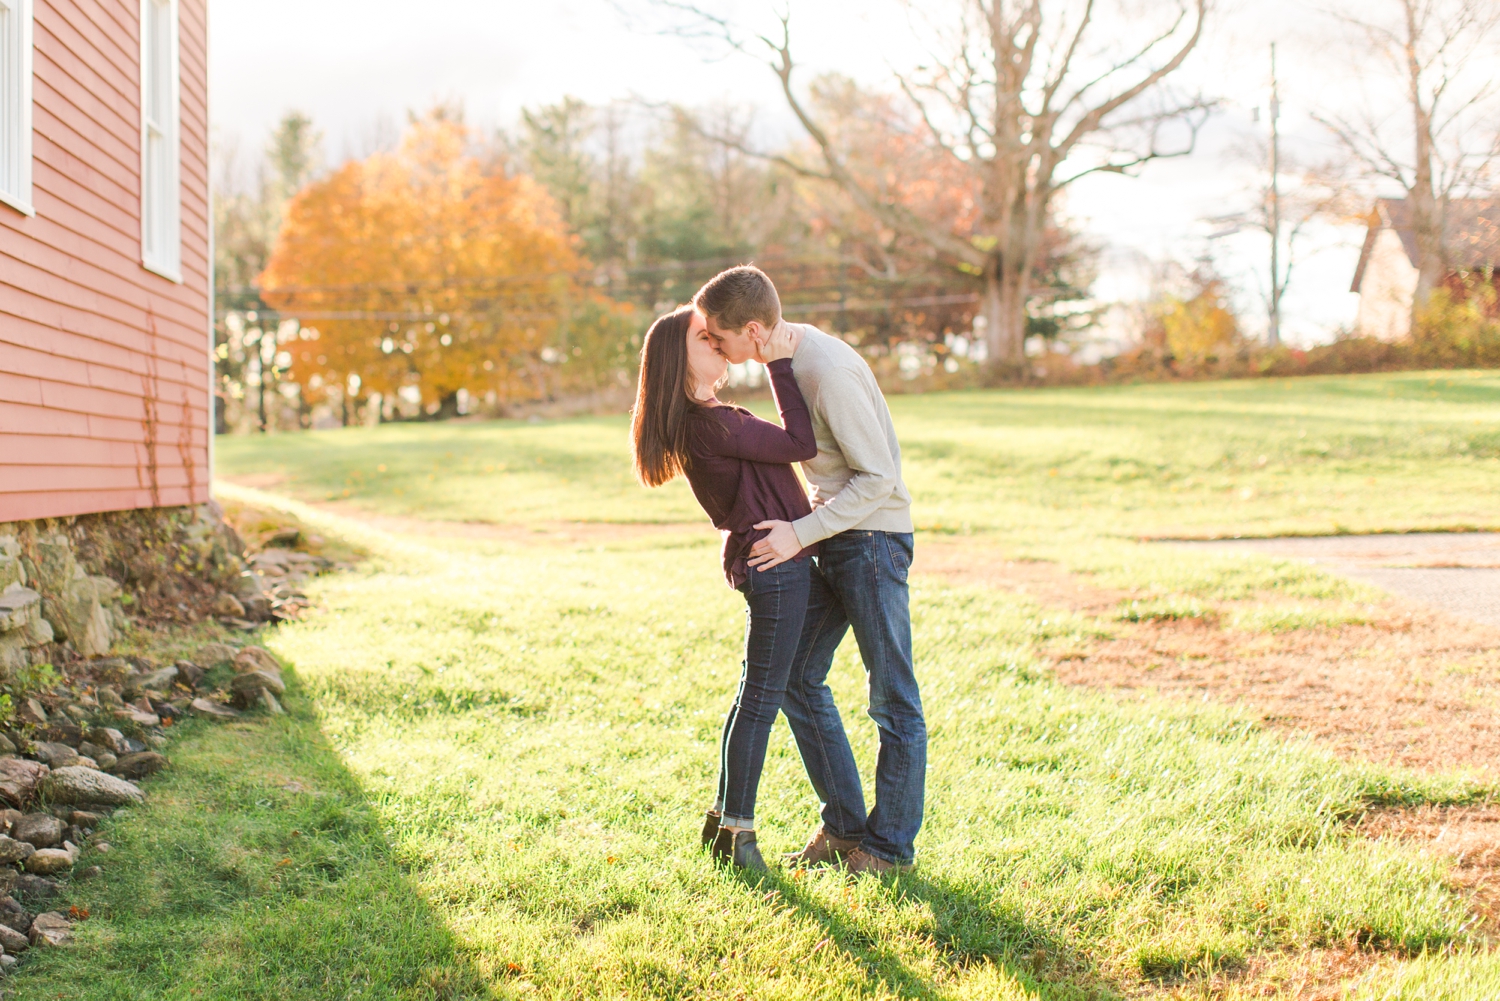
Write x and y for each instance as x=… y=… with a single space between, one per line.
x=69 y=585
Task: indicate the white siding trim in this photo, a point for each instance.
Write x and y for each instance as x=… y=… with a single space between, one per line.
x=15 y=105
x=161 y=142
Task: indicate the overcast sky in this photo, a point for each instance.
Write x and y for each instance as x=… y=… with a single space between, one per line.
x=357 y=70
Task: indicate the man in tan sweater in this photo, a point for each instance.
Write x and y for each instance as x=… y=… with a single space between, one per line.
x=861 y=521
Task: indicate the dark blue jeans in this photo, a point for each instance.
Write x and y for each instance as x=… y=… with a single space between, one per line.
x=775 y=606
x=860 y=582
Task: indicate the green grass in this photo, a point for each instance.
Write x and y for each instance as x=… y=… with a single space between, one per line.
x=1255 y=457
x=497 y=756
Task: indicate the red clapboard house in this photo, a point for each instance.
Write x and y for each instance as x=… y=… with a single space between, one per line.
x=104 y=256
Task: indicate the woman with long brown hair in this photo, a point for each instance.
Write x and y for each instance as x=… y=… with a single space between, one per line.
x=739 y=468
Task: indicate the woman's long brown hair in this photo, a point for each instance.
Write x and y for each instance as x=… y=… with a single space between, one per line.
x=663 y=401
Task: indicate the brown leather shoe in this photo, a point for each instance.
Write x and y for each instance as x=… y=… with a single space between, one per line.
x=858 y=862
x=822 y=849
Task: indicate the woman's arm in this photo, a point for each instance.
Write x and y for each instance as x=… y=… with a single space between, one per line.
x=751 y=438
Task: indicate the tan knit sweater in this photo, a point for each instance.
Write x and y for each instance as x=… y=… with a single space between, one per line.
x=856 y=476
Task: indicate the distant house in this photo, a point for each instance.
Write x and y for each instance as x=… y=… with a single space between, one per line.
x=1386 y=277
x=104 y=256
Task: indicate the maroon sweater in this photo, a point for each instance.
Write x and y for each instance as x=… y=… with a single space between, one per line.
x=741 y=472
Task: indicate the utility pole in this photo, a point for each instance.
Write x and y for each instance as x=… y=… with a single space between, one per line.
x=1273 y=329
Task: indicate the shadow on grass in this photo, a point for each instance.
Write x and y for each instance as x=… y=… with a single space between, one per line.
x=967 y=932
x=258 y=868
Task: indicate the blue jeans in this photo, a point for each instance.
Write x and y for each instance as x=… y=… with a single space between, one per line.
x=775 y=606
x=860 y=582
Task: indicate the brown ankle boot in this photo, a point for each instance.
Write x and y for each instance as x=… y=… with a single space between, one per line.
x=822 y=849
x=710 y=828
x=738 y=849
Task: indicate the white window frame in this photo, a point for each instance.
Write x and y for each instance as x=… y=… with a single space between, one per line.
x=15 y=105
x=161 y=189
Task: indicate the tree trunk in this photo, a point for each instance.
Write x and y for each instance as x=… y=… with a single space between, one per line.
x=1004 y=309
x=1422 y=200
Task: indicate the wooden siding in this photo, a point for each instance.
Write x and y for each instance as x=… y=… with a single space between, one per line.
x=103 y=364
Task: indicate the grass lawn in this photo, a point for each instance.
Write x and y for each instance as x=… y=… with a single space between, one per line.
x=499 y=746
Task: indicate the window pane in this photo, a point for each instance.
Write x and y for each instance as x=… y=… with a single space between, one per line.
x=154 y=62
x=10 y=106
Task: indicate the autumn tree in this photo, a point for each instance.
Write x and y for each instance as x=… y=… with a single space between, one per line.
x=1026 y=97
x=422 y=268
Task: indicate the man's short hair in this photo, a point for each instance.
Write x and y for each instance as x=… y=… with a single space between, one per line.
x=735 y=297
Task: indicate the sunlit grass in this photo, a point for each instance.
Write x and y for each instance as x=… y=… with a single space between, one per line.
x=499 y=751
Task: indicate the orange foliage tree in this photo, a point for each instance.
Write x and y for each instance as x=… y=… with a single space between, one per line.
x=422 y=268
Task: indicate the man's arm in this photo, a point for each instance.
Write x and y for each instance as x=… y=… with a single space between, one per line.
x=856 y=426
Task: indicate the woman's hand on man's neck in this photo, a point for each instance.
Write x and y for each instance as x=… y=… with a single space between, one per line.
x=782 y=341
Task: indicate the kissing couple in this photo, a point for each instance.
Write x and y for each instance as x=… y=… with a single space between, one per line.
x=811 y=567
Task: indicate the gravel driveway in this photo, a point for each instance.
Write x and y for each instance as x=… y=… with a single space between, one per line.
x=1457 y=572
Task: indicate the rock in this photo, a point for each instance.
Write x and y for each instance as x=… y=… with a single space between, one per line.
x=132 y=746
x=88 y=872
x=51 y=929
x=284 y=538
x=56 y=755
x=105 y=761
x=36 y=889
x=19 y=606
x=108 y=738
x=13 y=851
x=84 y=819
x=88 y=762
x=89 y=749
x=8 y=819
x=138 y=766
x=256 y=658
x=12 y=940
x=63 y=733
x=156 y=681
x=109 y=698
x=156 y=740
x=49 y=862
x=84 y=785
x=253 y=681
x=7 y=746
x=31 y=711
x=8 y=877
x=207 y=709
x=103 y=847
x=138 y=717
x=211 y=655
x=188 y=673
x=13 y=915
x=77 y=712
x=272 y=706
x=40 y=830
x=110 y=670
x=227 y=604
x=19 y=779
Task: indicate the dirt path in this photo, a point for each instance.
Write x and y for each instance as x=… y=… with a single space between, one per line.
x=1413 y=687
x=541 y=533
